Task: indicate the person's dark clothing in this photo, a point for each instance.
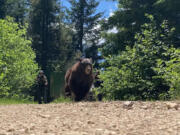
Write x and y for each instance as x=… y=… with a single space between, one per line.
x=98 y=83
x=42 y=88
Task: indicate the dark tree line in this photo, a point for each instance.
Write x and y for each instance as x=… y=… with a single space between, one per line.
x=45 y=31
x=48 y=25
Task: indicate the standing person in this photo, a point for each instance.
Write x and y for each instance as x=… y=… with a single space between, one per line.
x=42 y=87
x=98 y=83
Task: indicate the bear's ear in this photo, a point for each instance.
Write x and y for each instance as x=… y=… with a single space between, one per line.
x=91 y=60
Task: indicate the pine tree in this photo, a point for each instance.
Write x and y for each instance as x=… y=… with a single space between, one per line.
x=45 y=32
x=17 y=9
x=84 y=19
x=2 y=9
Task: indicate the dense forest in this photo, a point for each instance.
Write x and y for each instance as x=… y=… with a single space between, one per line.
x=140 y=60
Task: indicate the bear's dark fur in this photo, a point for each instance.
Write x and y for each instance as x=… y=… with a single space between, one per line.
x=78 y=79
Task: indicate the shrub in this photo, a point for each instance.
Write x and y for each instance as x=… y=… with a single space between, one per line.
x=171 y=72
x=17 y=66
x=137 y=73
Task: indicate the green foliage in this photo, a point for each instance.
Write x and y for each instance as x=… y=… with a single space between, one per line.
x=17 y=66
x=5 y=101
x=171 y=72
x=62 y=100
x=17 y=9
x=2 y=9
x=130 y=16
x=135 y=74
x=169 y=10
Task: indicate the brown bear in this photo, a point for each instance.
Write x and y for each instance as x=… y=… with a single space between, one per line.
x=79 y=79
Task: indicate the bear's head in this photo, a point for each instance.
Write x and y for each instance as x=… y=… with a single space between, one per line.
x=86 y=65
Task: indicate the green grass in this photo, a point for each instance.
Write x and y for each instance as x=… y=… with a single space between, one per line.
x=9 y=101
x=5 y=101
x=62 y=100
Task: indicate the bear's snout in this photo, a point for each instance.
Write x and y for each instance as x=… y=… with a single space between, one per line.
x=88 y=69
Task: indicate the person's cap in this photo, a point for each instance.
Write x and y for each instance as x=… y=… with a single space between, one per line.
x=41 y=71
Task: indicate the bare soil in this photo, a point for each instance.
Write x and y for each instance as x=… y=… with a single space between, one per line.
x=91 y=118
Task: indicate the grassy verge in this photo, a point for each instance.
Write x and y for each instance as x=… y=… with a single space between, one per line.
x=5 y=101
x=62 y=100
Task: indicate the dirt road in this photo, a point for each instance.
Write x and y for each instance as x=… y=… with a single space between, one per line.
x=91 y=118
